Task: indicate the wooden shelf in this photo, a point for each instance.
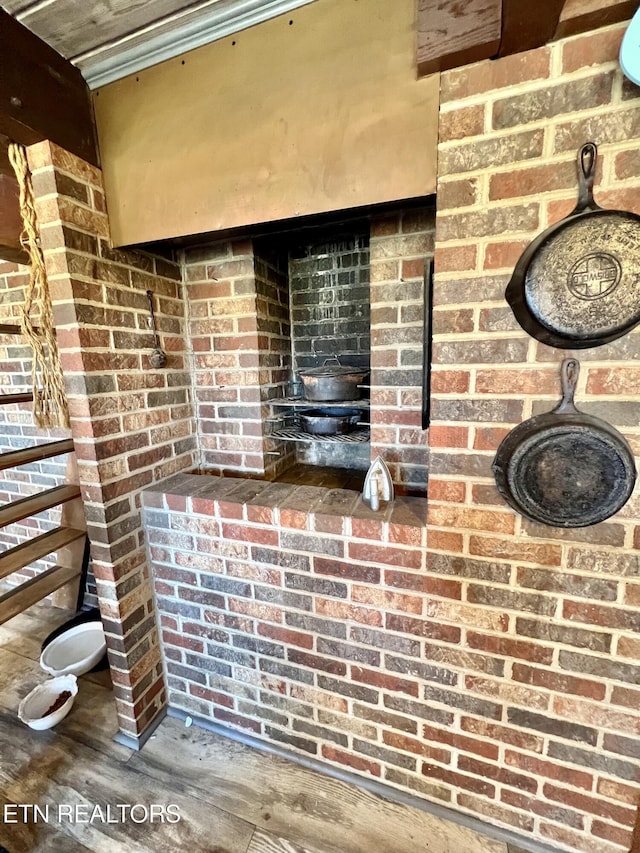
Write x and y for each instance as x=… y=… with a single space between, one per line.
x=35 y=454
x=10 y=329
x=23 y=596
x=69 y=543
x=32 y=505
x=5 y=399
x=14 y=559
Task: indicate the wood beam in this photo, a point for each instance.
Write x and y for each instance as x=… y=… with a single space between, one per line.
x=10 y=218
x=578 y=16
x=42 y=95
x=526 y=26
x=5 y=165
x=450 y=33
x=10 y=223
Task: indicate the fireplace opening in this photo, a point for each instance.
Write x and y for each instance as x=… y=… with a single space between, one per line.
x=313 y=293
x=265 y=304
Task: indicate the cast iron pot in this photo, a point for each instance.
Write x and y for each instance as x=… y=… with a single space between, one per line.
x=564 y=468
x=333 y=382
x=332 y=420
x=577 y=284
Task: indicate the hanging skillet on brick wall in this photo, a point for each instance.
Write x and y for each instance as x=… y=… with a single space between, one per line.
x=564 y=468
x=577 y=284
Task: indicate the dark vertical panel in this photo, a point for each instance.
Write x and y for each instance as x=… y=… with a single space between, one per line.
x=426 y=347
x=528 y=25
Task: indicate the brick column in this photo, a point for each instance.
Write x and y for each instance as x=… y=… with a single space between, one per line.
x=132 y=425
x=400 y=246
x=220 y=289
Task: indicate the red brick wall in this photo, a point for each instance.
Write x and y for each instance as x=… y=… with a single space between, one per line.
x=273 y=323
x=132 y=425
x=220 y=289
x=548 y=617
x=298 y=614
x=400 y=246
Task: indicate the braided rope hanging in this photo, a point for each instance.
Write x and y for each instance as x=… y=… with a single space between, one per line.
x=49 y=398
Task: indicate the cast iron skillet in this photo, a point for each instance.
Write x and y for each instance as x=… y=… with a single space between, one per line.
x=329 y=420
x=577 y=284
x=564 y=468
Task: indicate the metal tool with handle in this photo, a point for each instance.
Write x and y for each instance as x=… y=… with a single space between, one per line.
x=158 y=357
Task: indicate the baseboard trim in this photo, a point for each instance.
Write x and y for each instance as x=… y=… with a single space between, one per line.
x=371 y=785
x=136 y=742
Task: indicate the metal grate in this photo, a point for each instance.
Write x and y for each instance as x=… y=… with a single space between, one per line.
x=361 y=403
x=293 y=434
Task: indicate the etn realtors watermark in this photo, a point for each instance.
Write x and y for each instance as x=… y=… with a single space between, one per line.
x=92 y=813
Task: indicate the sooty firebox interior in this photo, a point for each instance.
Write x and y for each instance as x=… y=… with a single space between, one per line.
x=314 y=289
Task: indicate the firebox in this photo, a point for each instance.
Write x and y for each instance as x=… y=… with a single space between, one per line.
x=265 y=306
x=321 y=277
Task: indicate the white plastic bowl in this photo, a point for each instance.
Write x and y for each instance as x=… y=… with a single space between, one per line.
x=76 y=651
x=43 y=696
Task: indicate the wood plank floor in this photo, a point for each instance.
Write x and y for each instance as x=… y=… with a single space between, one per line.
x=230 y=798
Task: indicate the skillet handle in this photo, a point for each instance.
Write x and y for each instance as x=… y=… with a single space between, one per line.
x=569 y=373
x=587 y=159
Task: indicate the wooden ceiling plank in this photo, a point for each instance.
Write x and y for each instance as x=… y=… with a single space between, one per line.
x=72 y=34
x=579 y=16
x=43 y=95
x=15 y=7
x=450 y=33
x=526 y=26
